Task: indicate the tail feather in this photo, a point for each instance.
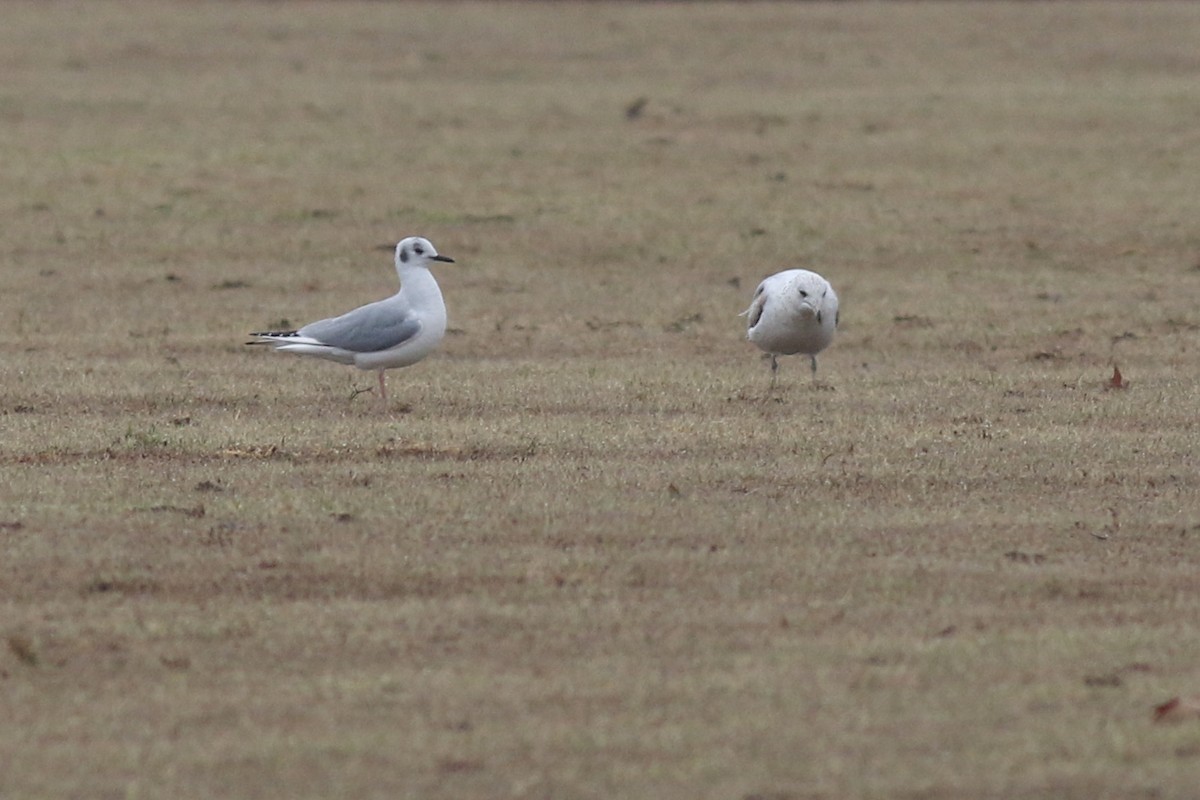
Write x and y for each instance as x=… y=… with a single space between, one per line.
x=272 y=337
x=295 y=342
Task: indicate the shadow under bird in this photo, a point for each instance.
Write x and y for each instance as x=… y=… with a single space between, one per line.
x=792 y=312
x=387 y=334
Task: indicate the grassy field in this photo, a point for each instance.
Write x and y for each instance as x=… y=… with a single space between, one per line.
x=585 y=553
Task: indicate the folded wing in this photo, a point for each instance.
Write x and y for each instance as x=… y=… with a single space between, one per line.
x=369 y=329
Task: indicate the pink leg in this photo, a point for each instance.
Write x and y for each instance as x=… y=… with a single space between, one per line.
x=382 y=390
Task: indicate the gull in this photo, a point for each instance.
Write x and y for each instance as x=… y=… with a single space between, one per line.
x=396 y=332
x=794 y=311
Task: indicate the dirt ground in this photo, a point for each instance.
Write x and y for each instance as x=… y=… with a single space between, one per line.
x=586 y=552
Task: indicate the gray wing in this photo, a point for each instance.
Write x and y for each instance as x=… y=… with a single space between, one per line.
x=368 y=329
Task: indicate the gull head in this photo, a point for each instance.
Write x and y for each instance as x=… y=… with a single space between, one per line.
x=417 y=251
x=808 y=293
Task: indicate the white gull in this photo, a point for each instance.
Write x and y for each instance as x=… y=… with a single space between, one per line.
x=792 y=312
x=391 y=333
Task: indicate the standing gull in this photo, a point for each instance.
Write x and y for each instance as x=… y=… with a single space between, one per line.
x=794 y=311
x=395 y=332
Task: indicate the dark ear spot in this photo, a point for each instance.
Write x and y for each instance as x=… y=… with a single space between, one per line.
x=404 y=255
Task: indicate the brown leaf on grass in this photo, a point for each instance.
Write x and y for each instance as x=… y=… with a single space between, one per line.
x=1116 y=381
x=1178 y=709
x=22 y=647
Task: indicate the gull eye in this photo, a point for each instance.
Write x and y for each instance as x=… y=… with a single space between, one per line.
x=803 y=293
x=419 y=250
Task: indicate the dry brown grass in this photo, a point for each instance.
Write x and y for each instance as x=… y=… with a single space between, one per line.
x=586 y=555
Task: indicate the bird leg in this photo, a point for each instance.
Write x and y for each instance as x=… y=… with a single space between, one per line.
x=774 y=372
x=382 y=390
x=816 y=383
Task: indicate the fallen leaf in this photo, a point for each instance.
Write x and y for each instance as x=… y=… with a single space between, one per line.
x=1116 y=381
x=22 y=647
x=1178 y=709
